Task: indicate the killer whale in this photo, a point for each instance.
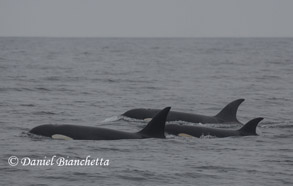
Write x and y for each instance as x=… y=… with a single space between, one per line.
x=226 y=115
x=249 y=129
x=154 y=129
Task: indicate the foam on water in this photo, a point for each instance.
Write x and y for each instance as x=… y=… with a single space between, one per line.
x=111 y=119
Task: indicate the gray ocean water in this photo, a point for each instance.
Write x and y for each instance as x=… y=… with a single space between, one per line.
x=91 y=81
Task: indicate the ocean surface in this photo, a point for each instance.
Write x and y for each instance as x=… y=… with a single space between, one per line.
x=92 y=81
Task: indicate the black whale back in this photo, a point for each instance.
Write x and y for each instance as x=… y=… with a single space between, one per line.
x=226 y=115
x=154 y=129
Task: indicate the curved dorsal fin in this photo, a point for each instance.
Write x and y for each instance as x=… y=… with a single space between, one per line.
x=250 y=127
x=156 y=127
x=228 y=113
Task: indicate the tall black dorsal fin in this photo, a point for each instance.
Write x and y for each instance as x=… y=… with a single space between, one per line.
x=156 y=127
x=229 y=112
x=250 y=127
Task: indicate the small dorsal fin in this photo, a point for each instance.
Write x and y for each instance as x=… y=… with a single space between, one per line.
x=228 y=113
x=250 y=127
x=156 y=127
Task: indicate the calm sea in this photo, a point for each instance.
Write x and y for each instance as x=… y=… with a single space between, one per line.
x=91 y=81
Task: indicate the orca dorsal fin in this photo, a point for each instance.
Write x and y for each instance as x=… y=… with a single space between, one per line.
x=229 y=112
x=156 y=127
x=250 y=127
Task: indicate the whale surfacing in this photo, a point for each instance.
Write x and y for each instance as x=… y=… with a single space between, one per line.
x=249 y=129
x=226 y=115
x=154 y=129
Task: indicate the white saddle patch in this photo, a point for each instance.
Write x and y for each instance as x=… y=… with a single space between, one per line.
x=147 y=119
x=61 y=137
x=184 y=135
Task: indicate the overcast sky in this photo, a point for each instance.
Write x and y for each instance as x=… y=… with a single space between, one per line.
x=147 y=18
